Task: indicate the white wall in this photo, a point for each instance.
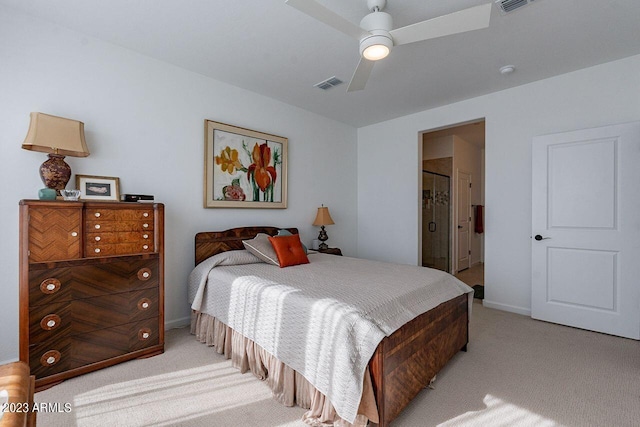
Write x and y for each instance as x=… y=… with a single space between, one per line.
x=436 y=148
x=144 y=123
x=388 y=208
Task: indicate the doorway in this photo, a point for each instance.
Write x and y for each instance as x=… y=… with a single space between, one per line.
x=453 y=152
x=436 y=211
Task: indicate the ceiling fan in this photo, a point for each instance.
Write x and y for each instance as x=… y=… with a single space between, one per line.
x=377 y=37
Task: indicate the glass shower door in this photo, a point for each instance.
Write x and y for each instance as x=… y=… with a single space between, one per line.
x=435 y=221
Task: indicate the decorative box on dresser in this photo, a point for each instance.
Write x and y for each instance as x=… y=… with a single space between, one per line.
x=91 y=285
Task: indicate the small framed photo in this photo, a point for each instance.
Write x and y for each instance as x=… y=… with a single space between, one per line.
x=98 y=187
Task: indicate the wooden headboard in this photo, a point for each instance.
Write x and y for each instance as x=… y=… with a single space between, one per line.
x=211 y=243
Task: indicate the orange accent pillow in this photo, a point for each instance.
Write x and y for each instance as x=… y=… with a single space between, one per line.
x=289 y=250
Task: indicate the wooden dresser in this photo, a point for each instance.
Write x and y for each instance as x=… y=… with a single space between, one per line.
x=91 y=285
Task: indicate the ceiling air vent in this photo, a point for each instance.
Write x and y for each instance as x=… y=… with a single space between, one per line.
x=329 y=83
x=507 y=6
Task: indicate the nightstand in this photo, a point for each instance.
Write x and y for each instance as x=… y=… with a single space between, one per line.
x=332 y=251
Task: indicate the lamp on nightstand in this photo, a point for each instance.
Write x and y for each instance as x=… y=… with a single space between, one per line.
x=323 y=217
x=59 y=137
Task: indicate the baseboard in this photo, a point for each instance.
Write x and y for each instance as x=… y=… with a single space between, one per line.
x=506 y=307
x=178 y=323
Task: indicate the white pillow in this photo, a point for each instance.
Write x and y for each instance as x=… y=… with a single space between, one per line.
x=261 y=247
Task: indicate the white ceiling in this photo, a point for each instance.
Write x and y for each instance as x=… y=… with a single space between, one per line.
x=270 y=48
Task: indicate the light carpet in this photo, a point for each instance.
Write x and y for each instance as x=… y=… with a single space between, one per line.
x=517 y=372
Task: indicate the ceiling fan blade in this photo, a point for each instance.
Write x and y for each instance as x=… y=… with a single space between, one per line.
x=332 y=19
x=474 y=18
x=361 y=75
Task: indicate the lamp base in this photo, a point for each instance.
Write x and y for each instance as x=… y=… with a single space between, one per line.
x=323 y=238
x=55 y=172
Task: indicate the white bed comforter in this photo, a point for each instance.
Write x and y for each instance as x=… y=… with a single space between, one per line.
x=323 y=319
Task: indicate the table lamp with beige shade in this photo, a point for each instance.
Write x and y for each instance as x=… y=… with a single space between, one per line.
x=59 y=137
x=323 y=217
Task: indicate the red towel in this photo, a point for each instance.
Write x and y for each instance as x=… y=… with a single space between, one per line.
x=479 y=227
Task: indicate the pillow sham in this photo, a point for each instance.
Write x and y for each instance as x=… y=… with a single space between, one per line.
x=289 y=250
x=283 y=232
x=261 y=247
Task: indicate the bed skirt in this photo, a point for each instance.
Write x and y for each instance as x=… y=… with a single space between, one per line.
x=288 y=386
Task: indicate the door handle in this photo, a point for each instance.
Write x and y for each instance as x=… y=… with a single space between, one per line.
x=539 y=237
x=459 y=227
x=430 y=226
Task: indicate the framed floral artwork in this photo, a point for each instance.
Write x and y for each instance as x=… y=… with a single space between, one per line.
x=244 y=168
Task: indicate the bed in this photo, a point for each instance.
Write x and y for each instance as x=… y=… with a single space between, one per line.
x=402 y=363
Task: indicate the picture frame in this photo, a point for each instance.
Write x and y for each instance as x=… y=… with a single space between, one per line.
x=244 y=168
x=94 y=187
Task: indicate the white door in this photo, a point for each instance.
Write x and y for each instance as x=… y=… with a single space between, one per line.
x=586 y=229
x=463 y=202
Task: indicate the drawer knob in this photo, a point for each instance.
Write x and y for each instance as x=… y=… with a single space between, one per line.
x=145 y=247
x=50 y=358
x=146 y=214
x=97 y=238
x=144 y=304
x=144 y=273
x=50 y=322
x=145 y=225
x=144 y=334
x=97 y=250
x=97 y=226
x=145 y=236
x=97 y=214
x=74 y=234
x=50 y=285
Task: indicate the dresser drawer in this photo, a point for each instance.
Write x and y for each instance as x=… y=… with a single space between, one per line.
x=99 y=249
x=110 y=214
x=94 y=226
x=91 y=278
x=80 y=350
x=48 y=323
x=108 y=237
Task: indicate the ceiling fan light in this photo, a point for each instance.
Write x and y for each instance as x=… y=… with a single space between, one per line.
x=376 y=52
x=375 y=47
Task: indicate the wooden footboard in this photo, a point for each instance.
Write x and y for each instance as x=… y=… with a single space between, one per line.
x=406 y=361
